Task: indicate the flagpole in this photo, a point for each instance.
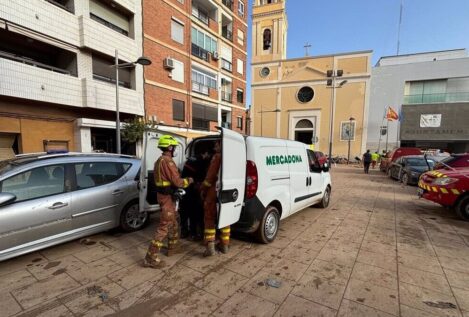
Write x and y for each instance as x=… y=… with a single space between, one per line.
x=399 y=128
x=387 y=135
x=379 y=130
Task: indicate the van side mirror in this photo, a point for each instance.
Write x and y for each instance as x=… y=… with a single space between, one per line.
x=6 y=198
x=325 y=167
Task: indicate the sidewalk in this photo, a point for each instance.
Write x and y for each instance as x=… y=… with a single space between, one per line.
x=376 y=251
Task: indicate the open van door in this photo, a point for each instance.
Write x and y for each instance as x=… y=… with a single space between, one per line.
x=232 y=178
x=151 y=153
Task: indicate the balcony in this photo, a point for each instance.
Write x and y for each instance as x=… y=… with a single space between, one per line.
x=200 y=52
x=227 y=34
x=226 y=96
x=228 y=4
x=31 y=62
x=226 y=65
x=206 y=12
x=200 y=88
x=437 y=98
x=200 y=124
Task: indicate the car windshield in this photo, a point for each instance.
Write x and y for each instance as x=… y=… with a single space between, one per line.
x=419 y=162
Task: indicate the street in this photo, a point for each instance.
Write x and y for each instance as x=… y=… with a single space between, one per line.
x=377 y=250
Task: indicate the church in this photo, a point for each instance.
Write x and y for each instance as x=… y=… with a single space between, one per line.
x=299 y=98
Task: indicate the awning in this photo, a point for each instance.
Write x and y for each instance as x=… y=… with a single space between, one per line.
x=39 y=37
x=6 y=146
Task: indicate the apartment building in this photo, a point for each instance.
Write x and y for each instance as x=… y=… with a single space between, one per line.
x=57 y=83
x=198 y=77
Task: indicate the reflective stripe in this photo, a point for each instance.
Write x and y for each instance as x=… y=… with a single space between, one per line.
x=157 y=243
x=225 y=230
x=225 y=238
x=207 y=184
x=211 y=237
x=435 y=189
x=210 y=230
x=185 y=183
x=173 y=241
x=163 y=184
x=444 y=191
x=455 y=191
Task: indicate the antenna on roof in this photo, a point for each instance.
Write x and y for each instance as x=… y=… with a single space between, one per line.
x=399 y=29
x=307 y=47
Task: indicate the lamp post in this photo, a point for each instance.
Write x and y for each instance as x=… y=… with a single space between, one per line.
x=266 y=111
x=351 y=119
x=144 y=61
x=331 y=84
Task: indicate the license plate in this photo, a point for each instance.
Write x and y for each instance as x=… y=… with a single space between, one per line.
x=420 y=192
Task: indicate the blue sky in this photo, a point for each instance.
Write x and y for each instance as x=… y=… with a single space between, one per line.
x=334 y=26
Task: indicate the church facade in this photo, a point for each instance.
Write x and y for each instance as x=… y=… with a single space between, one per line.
x=296 y=98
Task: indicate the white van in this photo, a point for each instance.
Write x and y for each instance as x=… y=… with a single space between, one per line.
x=262 y=180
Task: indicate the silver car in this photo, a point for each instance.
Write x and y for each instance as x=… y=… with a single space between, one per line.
x=49 y=199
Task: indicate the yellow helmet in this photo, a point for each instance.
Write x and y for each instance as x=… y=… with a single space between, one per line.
x=166 y=141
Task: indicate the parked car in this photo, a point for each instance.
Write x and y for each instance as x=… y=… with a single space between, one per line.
x=50 y=199
x=409 y=168
x=395 y=154
x=447 y=187
x=455 y=160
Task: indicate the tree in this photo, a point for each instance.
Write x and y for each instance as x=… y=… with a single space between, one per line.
x=133 y=129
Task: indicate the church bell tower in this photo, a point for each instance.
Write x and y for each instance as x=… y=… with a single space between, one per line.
x=269 y=31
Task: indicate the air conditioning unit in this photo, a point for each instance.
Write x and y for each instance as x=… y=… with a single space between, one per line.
x=215 y=56
x=168 y=63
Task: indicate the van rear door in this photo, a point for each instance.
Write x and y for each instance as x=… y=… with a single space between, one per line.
x=232 y=178
x=151 y=152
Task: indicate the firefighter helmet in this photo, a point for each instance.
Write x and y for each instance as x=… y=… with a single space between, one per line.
x=167 y=141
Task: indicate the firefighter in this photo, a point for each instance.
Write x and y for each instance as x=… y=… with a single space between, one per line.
x=167 y=179
x=209 y=196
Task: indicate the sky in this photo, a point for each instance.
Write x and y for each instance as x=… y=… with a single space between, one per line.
x=335 y=26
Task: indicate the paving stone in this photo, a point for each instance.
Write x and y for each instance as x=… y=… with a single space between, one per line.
x=90 y=272
x=300 y=254
x=8 y=305
x=353 y=309
x=428 y=264
x=65 y=249
x=374 y=296
x=377 y=259
x=297 y=306
x=51 y=309
x=462 y=296
x=329 y=271
x=46 y=269
x=377 y=247
x=44 y=290
x=258 y=285
x=407 y=311
x=16 y=280
x=129 y=257
x=455 y=264
x=222 y=283
x=97 y=252
x=195 y=303
x=440 y=304
x=458 y=279
x=375 y=275
x=453 y=252
x=245 y=304
x=178 y=278
x=341 y=256
x=98 y=311
x=134 y=275
x=245 y=267
x=20 y=263
x=424 y=279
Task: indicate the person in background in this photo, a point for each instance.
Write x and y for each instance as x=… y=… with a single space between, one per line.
x=374 y=159
x=367 y=161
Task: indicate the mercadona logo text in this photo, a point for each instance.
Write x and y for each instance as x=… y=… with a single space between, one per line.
x=283 y=159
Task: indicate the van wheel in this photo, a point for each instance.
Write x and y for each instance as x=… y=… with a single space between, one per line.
x=132 y=219
x=405 y=179
x=268 y=227
x=462 y=208
x=326 y=198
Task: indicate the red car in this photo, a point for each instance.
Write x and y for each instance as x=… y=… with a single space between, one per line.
x=455 y=160
x=447 y=187
x=395 y=154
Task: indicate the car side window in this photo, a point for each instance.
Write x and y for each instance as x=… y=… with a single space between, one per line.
x=36 y=183
x=92 y=174
x=313 y=161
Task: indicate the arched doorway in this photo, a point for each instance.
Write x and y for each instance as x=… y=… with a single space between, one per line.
x=304 y=131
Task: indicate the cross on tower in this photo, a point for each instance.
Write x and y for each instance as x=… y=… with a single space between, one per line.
x=307 y=46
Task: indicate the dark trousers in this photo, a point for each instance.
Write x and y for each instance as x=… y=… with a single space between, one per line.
x=192 y=213
x=366 y=167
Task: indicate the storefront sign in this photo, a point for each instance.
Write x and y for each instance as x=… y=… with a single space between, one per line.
x=430 y=120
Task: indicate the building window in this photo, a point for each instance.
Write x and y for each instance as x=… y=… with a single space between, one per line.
x=177 y=73
x=202 y=116
x=239 y=124
x=241 y=8
x=267 y=37
x=202 y=81
x=347 y=131
x=178 y=110
x=240 y=95
x=226 y=92
x=204 y=41
x=240 y=66
x=240 y=37
x=67 y=5
x=103 y=71
x=181 y=1
x=177 y=31
x=305 y=94
x=200 y=14
x=114 y=17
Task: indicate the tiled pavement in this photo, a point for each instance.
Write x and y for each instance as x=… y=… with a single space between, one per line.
x=377 y=251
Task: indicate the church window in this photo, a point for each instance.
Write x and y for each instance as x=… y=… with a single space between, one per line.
x=305 y=94
x=267 y=39
x=265 y=72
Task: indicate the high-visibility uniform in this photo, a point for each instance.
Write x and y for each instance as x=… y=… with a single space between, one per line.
x=167 y=178
x=209 y=193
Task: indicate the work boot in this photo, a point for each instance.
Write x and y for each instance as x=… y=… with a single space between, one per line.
x=224 y=248
x=154 y=263
x=210 y=250
x=173 y=248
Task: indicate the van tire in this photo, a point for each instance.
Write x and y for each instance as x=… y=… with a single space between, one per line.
x=131 y=220
x=462 y=208
x=268 y=228
x=326 y=198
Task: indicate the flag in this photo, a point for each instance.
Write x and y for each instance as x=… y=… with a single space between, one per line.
x=391 y=114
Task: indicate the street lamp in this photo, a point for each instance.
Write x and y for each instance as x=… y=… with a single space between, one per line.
x=266 y=111
x=351 y=119
x=332 y=75
x=144 y=61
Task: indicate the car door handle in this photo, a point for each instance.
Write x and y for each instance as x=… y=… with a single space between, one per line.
x=58 y=205
x=117 y=192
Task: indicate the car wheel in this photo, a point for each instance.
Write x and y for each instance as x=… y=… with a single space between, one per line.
x=132 y=219
x=326 y=198
x=405 y=179
x=268 y=227
x=462 y=208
